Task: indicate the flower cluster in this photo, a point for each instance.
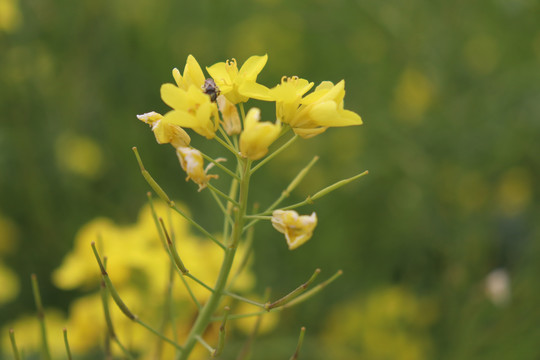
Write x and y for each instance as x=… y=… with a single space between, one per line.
x=210 y=105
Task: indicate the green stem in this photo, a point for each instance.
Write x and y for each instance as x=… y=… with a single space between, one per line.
x=168 y=251
x=285 y=193
x=16 y=354
x=41 y=317
x=226 y=146
x=161 y=193
x=243 y=299
x=275 y=153
x=299 y=299
x=222 y=194
x=300 y=342
x=222 y=167
x=310 y=199
x=66 y=342
x=222 y=332
x=205 y=316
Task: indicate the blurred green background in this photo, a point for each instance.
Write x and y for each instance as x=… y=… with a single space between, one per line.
x=450 y=97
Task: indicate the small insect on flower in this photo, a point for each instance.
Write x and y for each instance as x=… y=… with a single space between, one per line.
x=211 y=89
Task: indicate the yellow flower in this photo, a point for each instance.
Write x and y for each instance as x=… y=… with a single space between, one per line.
x=297 y=228
x=192 y=109
x=321 y=109
x=311 y=115
x=192 y=162
x=232 y=82
x=193 y=75
x=166 y=133
x=257 y=136
x=229 y=114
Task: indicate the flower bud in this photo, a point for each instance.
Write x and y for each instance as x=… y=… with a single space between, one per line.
x=257 y=136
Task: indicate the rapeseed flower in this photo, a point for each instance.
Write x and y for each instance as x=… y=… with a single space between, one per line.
x=297 y=228
x=191 y=109
x=192 y=162
x=310 y=115
x=257 y=136
x=165 y=133
x=234 y=83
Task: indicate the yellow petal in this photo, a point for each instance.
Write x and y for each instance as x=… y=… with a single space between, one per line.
x=256 y=91
x=193 y=73
x=181 y=118
x=220 y=75
x=173 y=96
x=166 y=133
x=252 y=67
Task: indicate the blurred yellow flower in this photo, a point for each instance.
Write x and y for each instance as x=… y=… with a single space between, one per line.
x=139 y=268
x=192 y=109
x=389 y=323
x=297 y=228
x=8 y=235
x=192 y=162
x=413 y=95
x=165 y=133
x=231 y=81
x=257 y=136
x=80 y=155
x=28 y=334
x=10 y=15
x=10 y=284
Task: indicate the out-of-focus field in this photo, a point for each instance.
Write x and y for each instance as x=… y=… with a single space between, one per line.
x=439 y=244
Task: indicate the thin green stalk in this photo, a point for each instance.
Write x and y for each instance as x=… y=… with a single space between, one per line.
x=286 y=193
x=243 y=299
x=120 y=303
x=170 y=285
x=45 y=352
x=199 y=227
x=172 y=250
x=232 y=194
x=111 y=334
x=205 y=316
x=66 y=342
x=16 y=353
x=228 y=218
x=245 y=353
x=205 y=344
x=248 y=243
x=293 y=294
x=242 y=112
x=222 y=194
x=192 y=277
x=222 y=167
x=227 y=146
x=310 y=199
x=222 y=332
x=300 y=342
x=303 y=297
x=275 y=153
x=159 y=191
x=166 y=248
x=226 y=137
x=259 y=217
